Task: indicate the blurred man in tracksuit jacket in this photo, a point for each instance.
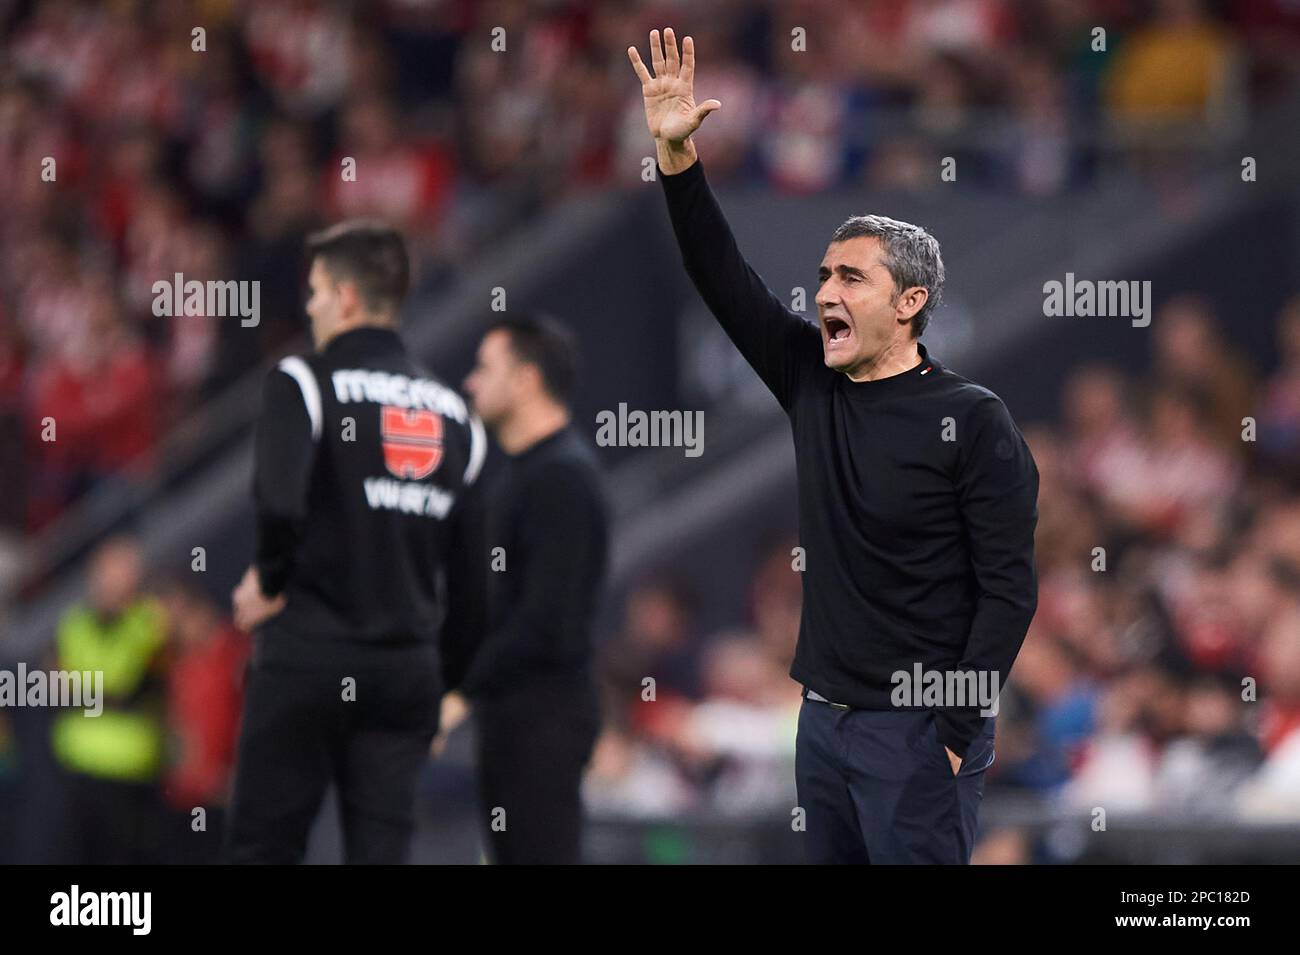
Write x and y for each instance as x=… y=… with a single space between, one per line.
x=366 y=530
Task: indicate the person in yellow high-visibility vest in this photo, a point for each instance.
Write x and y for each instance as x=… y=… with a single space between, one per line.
x=113 y=761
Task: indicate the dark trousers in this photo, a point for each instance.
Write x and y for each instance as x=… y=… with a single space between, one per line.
x=185 y=846
x=300 y=734
x=107 y=822
x=876 y=786
x=532 y=748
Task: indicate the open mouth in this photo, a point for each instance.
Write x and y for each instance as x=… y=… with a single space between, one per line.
x=837 y=330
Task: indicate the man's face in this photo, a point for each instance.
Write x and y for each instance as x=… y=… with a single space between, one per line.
x=115 y=577
x=325 y=306
x=857 y=308
x=494 y=384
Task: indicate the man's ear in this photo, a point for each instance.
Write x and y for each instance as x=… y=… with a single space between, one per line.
x=911 y=301
x=534 y=384
x=350 y=301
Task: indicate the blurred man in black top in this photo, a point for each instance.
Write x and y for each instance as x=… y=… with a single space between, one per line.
x=917 y=507
x=366 y=531
x=530 y=682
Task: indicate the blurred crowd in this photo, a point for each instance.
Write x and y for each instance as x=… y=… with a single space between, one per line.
x=212 y=154
x=1161 y=674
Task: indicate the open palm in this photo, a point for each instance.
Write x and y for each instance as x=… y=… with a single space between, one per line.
x=670 y=109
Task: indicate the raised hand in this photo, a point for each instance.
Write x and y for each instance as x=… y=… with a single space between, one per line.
x=670 y=109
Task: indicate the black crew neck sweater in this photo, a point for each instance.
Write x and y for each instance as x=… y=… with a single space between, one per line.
x=547 y=512
x=917 y=495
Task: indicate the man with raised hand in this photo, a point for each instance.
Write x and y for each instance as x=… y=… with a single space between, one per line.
x=917 y=508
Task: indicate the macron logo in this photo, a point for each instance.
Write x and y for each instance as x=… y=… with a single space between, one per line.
x=103 y=908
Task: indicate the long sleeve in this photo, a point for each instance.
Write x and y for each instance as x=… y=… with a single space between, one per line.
x=285 y=450
x=467 y=569
x=556 y=551
x=997 y=487
x=773 y=339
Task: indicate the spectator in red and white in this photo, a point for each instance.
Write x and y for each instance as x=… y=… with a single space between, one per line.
x=776 y=602
x=1038 y=156
x=54 y=295
x=742 y=733
x=957 y=25
x=1103 y=431
x=300 y=48
x=1278 y=410
x=1068 y=528
x=657 y=640
x=67 y=43
x=139 y=81
x=1177 y=477
x=221 y=125
x=403 y=182
x=31 y=134
x=1204 y=618
x=1191 y=353
x=103 y=400
x=805 y=142
x=1117 y=765
x=157 y=242
x=1201 y=772
x=1275 y=791
x=13 y=479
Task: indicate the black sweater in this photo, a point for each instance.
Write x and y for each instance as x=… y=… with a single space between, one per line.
x=918 y=549
x=547 y=514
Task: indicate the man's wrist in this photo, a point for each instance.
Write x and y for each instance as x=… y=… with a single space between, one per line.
x=269 y=585
x=956 y=728
x=673 y=157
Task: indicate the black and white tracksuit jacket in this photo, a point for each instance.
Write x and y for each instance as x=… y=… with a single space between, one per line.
x=367 y=515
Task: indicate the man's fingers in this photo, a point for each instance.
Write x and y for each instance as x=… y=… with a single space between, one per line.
x=704 y=109
x=954 y=760
x=642 y=73
x=671 y=61
x=656 y=53
x=688 y=60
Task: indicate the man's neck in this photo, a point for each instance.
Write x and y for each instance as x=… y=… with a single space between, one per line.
x=895 y=359
x=529 y=426
x=377 y=321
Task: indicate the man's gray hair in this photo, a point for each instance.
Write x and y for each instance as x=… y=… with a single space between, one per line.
x=911 y=257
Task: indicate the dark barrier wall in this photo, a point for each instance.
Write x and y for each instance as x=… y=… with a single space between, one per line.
x=620 y=294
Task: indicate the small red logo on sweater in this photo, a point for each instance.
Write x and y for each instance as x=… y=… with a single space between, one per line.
x=412 y=442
